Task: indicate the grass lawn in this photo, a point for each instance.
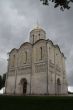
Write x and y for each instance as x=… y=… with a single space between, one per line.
x=36 y=102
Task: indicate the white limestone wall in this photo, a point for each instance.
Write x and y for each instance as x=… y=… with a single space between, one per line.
x=24 y=67
x=65 y=84
x=10 y=78
x=39 y=83
x=13 y=58
x=39 y=69
x=56 y=69
x=19 y=68
x=51 y=68
x=22 y=60
x=10 y=85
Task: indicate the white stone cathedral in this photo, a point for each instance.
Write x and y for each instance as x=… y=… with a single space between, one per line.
x=37 y=67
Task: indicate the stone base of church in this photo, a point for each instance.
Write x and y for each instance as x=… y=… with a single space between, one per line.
x=35 y=94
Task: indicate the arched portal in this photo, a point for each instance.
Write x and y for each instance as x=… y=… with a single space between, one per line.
x=24 y=85
x=58 y=87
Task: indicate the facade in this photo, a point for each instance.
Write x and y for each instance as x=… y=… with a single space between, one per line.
x=37 y=67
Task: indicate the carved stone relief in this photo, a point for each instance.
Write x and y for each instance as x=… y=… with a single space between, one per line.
x=11 y=73
x=40 y=68
x=23 y=71
x=58 y=68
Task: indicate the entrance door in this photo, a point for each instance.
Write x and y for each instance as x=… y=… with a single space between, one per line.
x=58 y=87
x=24 y=85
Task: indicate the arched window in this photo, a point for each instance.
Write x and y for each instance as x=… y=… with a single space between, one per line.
x=49 y=50
x=24 y=59
x=33 y=38
x=13 y=61
x=41 y=53
x=25 y=56
x=39 y=34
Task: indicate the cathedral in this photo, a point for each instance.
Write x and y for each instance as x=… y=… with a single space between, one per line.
x=37 y=67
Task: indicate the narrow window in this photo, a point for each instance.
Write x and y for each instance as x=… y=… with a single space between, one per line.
x=26 y=56
x=39 y=34
x=13 y=60
x=33 y=38
x=41 y=52
x=49 y=49
x=24 y=59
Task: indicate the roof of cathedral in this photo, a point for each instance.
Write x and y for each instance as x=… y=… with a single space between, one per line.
x=38 y=28
x=25 y=43
x=14 y=49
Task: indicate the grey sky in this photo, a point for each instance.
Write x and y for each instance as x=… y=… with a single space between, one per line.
x=19 y=17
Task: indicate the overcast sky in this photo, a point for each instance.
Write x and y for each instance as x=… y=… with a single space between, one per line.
x=19 y=17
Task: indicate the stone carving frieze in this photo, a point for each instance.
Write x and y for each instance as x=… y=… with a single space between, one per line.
x=58 y=68
x=11 y=73
x=23 y=71
x=40 y=68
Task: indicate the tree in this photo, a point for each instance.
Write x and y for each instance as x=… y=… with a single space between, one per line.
x=3 y=80
x=64 y=4
x=0 y=82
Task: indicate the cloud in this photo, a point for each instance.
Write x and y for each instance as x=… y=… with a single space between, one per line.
x=18 y=17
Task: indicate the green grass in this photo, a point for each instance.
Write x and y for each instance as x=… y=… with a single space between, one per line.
x=36 y=102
